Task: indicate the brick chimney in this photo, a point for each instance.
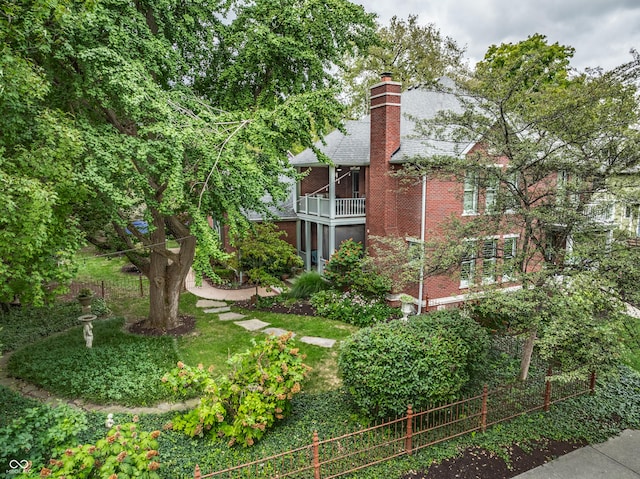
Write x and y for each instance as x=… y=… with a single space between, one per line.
x=384 y=141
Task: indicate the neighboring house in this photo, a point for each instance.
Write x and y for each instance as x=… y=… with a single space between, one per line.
x=356 y=197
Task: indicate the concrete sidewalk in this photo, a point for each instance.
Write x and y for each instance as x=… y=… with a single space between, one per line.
x=618 y=458
x=206 y=291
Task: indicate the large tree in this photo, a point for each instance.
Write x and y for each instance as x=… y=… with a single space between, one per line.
x=562 y=135
x=184 y=111
x=411 y=52
x=38 y=232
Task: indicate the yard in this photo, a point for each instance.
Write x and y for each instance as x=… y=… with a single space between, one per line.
x=46 y=348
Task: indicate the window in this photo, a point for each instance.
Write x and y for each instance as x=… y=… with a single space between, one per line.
x=468 y=265
x=491 y=195
x=627 y=212
x=489 y=253
x=509 y=258
x=470 y=200
x=511 y=192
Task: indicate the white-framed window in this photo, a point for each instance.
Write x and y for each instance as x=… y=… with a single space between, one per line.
x=489 y=255
x=470 y=198
x=491 y=195
x=628 y=212
x=468 y=265
x=509 y=251
x=511 y=189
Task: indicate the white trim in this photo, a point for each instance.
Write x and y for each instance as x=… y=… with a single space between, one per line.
x=391 y=93
x=397 y=83
x=464 y=297
x=384 y=104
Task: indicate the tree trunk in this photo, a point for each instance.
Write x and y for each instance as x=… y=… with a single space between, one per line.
x=527 y=352
x=167 y=272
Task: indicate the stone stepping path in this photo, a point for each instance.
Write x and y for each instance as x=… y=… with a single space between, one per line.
x=252 y=324
x=210 y=303
x=322 y=342
x=223 y=309
x=231 y=316
x=278 y=332
x=224 y=314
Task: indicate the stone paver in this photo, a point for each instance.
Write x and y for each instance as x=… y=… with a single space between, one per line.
x=231 y=316
x=209 y=303
x=278 y=332
x=252 y=324
x=322 y=342
x=223 y=309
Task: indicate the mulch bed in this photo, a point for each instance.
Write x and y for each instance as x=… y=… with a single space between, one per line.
x=188 y=324
x=476 y=463
x=301 y=308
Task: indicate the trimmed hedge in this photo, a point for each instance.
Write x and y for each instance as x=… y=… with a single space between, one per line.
x=425 y=360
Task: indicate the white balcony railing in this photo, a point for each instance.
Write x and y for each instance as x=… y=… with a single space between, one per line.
x=320 y=206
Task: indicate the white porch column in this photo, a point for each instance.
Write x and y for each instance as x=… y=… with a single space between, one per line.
x=308 y=247
x=320 y=235
x=332 y=192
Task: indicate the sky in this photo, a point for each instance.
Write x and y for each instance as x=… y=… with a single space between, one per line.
x=601 y=31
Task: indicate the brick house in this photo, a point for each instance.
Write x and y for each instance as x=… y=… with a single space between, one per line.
x=355 y=197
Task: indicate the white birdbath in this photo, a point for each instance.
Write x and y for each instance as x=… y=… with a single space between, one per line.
x=87 y=332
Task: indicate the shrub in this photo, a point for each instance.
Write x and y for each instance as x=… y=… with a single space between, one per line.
x=39 y=432
x=345 y=272
x=307 y=284
x=124 y=452
x=243 y=404
x=351 y=308
x=425 y=360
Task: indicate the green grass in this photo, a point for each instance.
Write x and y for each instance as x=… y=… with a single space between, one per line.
x=94 y=266
x=215 y=341
x=119 y=368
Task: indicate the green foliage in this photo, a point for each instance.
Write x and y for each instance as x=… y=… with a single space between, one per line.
x=120 y=367
x=345 y=272
x=124 y=452
x=307 y=284
x=351 y=307
x=40 y=432
x=264 y=256
x=25 y=324
x=203 y=101
x=242 y=405
x=419 y=362
x=413 y=53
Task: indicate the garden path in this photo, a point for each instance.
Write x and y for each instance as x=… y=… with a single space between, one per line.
x=224 y=314
x=214 y=300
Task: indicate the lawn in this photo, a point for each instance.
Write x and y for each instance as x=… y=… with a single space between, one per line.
x=125 y=369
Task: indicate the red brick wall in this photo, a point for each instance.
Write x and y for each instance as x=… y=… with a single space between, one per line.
x=316 y=179
x=385 y=140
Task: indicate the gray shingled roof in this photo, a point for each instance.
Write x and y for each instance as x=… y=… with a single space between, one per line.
x=352 y=149
x=282 y=211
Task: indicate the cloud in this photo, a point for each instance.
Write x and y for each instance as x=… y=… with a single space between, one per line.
x=601 y=31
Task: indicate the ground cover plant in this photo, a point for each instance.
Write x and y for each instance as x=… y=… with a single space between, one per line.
x=120 y=367
x=22 y=325
x=241 y=405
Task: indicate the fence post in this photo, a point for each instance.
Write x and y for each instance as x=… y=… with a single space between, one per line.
x=316 y=456
x=102 y=291
x=592 y=383
x=141 y=289
x=408 y=440
x=196 y=472
x=483 y=410
x=547 y=389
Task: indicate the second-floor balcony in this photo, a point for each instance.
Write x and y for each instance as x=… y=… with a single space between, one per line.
x=318 y=205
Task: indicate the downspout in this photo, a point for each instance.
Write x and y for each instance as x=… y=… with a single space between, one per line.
x=422 y=238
